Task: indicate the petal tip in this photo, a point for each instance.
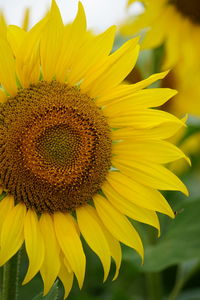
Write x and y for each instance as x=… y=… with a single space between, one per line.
x=188 y=160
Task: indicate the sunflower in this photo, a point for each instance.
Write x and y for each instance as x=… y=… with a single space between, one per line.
x=173 y=22
x=186 y=101
x=80 y=152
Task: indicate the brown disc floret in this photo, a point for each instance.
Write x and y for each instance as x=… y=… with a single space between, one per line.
x=55 y=148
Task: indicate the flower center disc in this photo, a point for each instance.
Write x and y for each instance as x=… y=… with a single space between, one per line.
x=55 y=149
x=188 y=8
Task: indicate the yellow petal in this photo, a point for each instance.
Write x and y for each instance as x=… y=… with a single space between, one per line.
x=124 y=90
x=12 y=235
x=114 y=245
x=70 y=244
x=115 y=248
x=141 y=99
x=163 y=131
x=66 y=263
x=26 y=19
x=108 y=76
x=34 y=244
x=157 y=151
x=146 y=118
x=15 y=36
x=129 y=208
x=27 y=55
x=91 y=53
x=118 y=224
x=3 y=97
x=3 y=27
x=51 y=264
x=94 y=236
x=139 y=193
x=150 y=174
x=51 y=42
x=67 y=279
x=73 y=37
x=5 y=206
x=7 y=68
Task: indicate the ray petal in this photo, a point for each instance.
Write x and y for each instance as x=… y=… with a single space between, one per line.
x=51 y=42
x=139 y=194
x=12 y=235
x=3 y=96
x=74 y=36
x=34 y=244
x=15 y=36
x=129 y=208
x=7 y=68
x=124 y=90
x=158 y=151
x=164 y=131
x=27 y=53
x=118 y=224
x=142 y=99
x=94 y=236
x=115 y=248
x=150 y=174
x=26 y=19
x=5 y=206
x=145 y=118
x=70 y=244
x=91 y=54
x=51 y=264
x=67 y=279
x=3 y=27
x=107 y=76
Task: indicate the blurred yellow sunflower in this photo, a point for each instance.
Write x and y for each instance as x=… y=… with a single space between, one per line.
x=80 y=151
x=173 y=22
x=190 y=146
x=187 y=98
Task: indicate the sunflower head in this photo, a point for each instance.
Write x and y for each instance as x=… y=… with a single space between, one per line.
x=61 y=148
x=80 y=151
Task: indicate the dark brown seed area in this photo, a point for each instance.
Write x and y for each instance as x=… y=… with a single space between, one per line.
x=55 y=147
x=188 y=8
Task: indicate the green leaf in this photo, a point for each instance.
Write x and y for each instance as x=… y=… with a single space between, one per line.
x=180 y=243
x=38 y=297
x=52 y=295
x=193 y=294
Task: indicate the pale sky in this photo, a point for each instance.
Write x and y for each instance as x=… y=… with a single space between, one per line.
x=100 y=13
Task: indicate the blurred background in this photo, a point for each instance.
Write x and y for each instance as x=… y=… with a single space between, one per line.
x=172 y=262
x=100 y=13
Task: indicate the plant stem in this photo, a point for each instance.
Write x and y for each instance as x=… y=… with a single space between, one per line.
x=154 y=286
x=10 y=282
x=153 y=279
